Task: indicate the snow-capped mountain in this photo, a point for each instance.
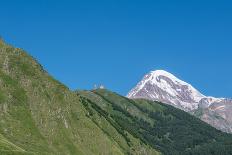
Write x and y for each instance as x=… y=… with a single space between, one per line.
x=163 y=86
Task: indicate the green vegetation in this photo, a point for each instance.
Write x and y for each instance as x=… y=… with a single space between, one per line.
x=41 y=116
x=167 y=129
x=9 y=148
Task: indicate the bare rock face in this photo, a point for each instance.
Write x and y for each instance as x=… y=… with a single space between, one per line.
x=162 y=86
x=219 y=115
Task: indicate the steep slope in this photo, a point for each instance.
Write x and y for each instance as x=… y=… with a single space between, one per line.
x=8 y=148
x=39 y=115
x=162 y=86
x=163 y=127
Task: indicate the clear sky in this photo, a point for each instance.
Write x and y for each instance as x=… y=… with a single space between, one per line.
x=115 y=42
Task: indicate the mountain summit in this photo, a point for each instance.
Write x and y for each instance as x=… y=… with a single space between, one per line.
x=163 y=86
x=160 y=85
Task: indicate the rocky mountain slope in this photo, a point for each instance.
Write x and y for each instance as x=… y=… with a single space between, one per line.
x=162 y=86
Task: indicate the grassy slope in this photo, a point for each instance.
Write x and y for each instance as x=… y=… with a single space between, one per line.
x=39 y=115
x=10 y=148
x=160 y=126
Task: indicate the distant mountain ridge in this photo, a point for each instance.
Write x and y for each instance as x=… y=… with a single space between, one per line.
x=163 y=86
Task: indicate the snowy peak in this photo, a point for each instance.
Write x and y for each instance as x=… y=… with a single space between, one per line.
x=163 y=86
x=158 y=73
x=174 y=86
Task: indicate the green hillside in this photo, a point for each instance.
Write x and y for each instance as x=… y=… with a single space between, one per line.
x=41 y=116
x=167 y=129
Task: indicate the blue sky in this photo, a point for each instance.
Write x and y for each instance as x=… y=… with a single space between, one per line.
x=115 y=42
